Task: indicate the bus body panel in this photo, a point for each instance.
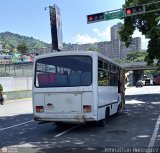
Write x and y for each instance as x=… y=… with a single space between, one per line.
x=108 y=97
x=68 y=104
x=64 y=107
x=61 y=103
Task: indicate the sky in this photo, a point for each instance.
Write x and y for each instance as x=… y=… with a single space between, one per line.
x=29 y=18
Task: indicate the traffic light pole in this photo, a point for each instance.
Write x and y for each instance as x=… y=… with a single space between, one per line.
x=141 y=9
x=145 y=5
x=122 y=13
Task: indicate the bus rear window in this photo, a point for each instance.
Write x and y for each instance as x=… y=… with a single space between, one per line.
x=63 y=71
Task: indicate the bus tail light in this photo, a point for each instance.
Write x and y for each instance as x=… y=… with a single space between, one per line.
x=39 y=109
x=87 y=108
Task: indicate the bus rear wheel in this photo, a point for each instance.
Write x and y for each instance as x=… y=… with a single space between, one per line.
x=103 y=122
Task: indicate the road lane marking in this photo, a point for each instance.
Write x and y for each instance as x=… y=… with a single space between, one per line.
x=65 y=131
x=154 y=135
x=15 y=125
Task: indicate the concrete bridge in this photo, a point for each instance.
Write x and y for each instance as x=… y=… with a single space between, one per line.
x=138 y=66
x=134 y=71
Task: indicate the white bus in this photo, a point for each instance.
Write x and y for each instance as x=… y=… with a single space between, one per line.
x=76 y=87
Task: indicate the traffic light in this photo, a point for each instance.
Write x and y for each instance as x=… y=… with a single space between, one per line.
x=130 y=11
x=95 y=17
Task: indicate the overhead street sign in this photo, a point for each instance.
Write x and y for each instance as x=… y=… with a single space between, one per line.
x=103 y=16
x=119 y=14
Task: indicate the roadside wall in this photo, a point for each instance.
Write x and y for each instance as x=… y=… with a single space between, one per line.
x=16 y=83
x=11 y=95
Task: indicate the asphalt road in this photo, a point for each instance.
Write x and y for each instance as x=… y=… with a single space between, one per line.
x=134 y=130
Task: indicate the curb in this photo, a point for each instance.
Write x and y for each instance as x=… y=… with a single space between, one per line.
x=13 y=100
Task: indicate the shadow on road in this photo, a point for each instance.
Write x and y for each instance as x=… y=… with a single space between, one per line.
x=131 y=128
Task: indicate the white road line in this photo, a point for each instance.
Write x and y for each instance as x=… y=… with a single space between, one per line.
x=15 y=125
x=65 y=131
x=154 y=135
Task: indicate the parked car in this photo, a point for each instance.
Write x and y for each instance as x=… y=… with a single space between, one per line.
x=156 y=79
x=139 y=83
x=146 y=80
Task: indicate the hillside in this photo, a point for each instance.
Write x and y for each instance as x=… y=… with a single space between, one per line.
x=11 y=40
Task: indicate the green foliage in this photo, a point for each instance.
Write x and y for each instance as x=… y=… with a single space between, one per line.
x=11 y=40
x=92 y=48
x=22 y=48
x=133 y=57
x=148 y=25
x=136 y=56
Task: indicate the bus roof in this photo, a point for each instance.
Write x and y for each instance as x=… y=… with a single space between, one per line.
x=63 y=53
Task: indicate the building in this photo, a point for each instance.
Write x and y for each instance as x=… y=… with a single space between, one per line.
x=114 y=31
x=136 y=44
x=102 y=47
x=113 y=49
x=78 y=47
x=119 y=50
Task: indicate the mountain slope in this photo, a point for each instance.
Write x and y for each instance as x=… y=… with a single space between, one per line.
x=11 y=40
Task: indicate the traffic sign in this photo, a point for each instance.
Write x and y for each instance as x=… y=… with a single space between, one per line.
x=114 y=15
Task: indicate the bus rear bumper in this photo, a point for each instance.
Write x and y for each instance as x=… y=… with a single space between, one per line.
x=68 y=119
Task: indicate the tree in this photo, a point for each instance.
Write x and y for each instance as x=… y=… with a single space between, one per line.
x=136 y=56
x=92 y=48
x=148 y=25
x=22 y=48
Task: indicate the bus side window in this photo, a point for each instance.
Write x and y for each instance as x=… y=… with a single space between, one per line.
x=113 y=79
x=103 y=78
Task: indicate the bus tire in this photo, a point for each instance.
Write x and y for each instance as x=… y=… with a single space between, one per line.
x=103 y=122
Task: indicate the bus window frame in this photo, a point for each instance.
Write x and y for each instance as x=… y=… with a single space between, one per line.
x=35 y=71
x=110 y=72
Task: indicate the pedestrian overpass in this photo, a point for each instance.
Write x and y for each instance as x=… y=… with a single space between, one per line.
x=134 y=71
x=138 y=66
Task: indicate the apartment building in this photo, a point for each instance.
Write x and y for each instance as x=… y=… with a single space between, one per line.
x=113 y=49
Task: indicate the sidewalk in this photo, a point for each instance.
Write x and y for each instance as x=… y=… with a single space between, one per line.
x=17 y=100
x=16 y=107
